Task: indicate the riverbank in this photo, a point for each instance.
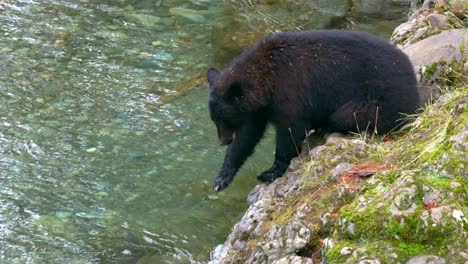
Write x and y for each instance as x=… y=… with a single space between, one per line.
x=400 y=198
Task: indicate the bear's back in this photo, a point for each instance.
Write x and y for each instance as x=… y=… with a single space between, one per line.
x=317 y=72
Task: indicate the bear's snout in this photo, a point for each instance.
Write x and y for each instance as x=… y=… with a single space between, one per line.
x=227 y=139
x=226 y=135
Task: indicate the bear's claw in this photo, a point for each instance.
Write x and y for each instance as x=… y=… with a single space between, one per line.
x=221 y=184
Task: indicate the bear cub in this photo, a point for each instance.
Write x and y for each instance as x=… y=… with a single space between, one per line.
x=339 y=80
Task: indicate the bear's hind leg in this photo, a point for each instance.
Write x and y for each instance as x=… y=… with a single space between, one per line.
x=355 y=116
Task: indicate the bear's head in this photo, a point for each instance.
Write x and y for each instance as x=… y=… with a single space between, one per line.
x=226 y=105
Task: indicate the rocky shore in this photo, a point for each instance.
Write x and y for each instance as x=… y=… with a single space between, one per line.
x=401 y=198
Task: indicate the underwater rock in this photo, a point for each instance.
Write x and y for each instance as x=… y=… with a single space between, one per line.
x=193 y=15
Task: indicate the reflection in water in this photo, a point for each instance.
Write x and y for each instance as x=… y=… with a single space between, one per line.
x=102 y=159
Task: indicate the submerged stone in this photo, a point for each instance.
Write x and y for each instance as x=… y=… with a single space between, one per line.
x=190 y=14
x=144 y=19
x=166 y=56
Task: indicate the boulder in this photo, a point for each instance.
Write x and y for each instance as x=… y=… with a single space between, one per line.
x=446 y=46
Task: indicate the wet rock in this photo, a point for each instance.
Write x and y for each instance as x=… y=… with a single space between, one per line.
x=144 y=19
x=247 y=227
x=218 y=254
x=193 y=15
x=426 y=260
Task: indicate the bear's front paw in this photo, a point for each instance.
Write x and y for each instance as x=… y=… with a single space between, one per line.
x=221 y=183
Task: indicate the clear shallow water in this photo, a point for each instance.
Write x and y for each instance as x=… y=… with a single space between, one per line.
x=103 y=159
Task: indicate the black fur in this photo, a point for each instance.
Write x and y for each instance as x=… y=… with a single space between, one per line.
x=340 y=80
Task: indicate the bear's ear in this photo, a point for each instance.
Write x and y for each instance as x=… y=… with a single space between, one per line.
x=211 y=76
x=234 y=93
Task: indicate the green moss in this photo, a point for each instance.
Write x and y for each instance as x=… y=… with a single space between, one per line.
x=406 y=250
x=334 y=254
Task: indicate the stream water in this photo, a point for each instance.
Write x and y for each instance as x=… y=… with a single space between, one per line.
x=102 y=159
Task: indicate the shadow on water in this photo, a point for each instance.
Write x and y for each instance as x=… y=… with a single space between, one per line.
x=107 y=151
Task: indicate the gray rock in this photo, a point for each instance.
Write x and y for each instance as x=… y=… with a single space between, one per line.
x=255 y=194
x=460 y=141
x=436 y=215
x=218 y=254
x=442 y=47
x=340 y=169
x=437 y=20
x=359 y=252
x=350 y=228
x=285 y=239
x=315 y=152
x=369 y=261
x=252 y=219
x=302 y=212
x=334 y=137
x=403 y=204
x=293 y=260
x=257 y=257
x=426 y=260
x=346 y=251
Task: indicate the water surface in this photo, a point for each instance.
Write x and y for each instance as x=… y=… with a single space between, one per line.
x=105 y=156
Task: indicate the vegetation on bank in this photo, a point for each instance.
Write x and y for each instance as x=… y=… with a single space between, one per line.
x=398 y=198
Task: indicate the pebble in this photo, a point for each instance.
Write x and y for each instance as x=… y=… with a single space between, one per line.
x=345 y=251
x=213 y=197
x=163 y=56
x=91 y=150
x=157 y=43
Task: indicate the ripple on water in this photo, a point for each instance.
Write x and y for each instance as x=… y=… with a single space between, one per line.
x=90 y=172
x=102 y=158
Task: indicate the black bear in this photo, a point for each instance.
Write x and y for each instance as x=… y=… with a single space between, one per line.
x=298 y=81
